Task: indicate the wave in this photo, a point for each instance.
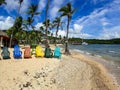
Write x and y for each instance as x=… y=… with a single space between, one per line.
x=87 y=53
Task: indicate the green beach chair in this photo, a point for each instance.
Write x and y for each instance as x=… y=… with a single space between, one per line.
x=48 y=53
x=5 y=53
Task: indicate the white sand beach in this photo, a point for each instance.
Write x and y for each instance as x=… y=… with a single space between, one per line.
x=74 y=72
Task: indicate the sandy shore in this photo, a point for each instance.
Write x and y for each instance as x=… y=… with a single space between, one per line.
x=74 y=72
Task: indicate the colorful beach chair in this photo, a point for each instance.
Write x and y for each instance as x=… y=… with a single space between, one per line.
x=39 y=51
x=33 y=46
x=5 y=53
x=27 y=52
x=57 y=52
x=17 y=53
x=48 y=53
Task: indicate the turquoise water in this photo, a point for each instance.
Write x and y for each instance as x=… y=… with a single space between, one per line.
x=110 y=52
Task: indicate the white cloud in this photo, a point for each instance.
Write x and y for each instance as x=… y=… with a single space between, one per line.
x=85 y=36
x=109 y=33
x=24 y=6
x=77 y=28
x=56 y=5
x=11 y=5
x=54 y=12
x=60 y=32
x=41 y=5
x=94 y=17
x=6 y=23
x=76 y=32
x=102 y=22
x=38 y=25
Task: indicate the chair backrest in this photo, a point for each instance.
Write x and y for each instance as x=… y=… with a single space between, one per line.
x=5 y=52
x=27 y=53
x=57 y=52
x=48 y=52
x=17 y=52
x=39 y=51
x=38 y=48
x=16 y=48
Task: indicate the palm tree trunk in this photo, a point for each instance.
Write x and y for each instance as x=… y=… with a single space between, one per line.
x=66 y=42
x=47 y=22
x=56 y=35
x=14 y=22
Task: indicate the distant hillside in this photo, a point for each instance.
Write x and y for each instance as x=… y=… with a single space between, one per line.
x=95 y=41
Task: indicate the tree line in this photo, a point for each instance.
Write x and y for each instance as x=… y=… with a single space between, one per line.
x=25 y=29
x=94 y=41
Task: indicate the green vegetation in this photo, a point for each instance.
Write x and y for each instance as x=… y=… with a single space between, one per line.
x=2 y=2
x=95 y=41
x=26 y=33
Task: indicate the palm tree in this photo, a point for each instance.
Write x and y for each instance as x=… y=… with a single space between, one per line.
x=2 y=2
x=57 y=23
x=20 y=2
x=42 y=30
x=46 y=21
x=47 y=32
x=32 y=11
x=67 y=11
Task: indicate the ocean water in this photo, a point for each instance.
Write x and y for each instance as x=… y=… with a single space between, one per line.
x=109 y=52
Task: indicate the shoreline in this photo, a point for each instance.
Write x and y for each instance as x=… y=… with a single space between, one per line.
x=99 y=66
x=74 y=72
x=109 y=66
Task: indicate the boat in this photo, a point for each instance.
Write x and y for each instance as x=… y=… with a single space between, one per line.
x=84 y=43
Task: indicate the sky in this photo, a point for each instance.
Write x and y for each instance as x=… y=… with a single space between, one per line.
x=93 y=19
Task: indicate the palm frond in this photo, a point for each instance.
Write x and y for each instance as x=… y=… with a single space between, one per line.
x=69 y=7
x=37 y=13
x=63 y=9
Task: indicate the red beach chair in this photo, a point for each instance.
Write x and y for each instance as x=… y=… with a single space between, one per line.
x=27 y=52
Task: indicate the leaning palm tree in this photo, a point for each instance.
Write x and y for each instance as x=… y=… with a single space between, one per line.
x=2 y=2
x=20 y=2
x=56 y=23
x=46 y=21
x=67 y=11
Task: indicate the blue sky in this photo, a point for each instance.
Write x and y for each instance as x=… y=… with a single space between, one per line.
x=98 y=19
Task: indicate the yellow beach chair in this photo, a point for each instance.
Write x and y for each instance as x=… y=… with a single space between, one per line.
x=39 y=51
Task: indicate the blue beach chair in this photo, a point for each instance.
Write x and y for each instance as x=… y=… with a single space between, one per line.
x=57 y=52
x=17 y=53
